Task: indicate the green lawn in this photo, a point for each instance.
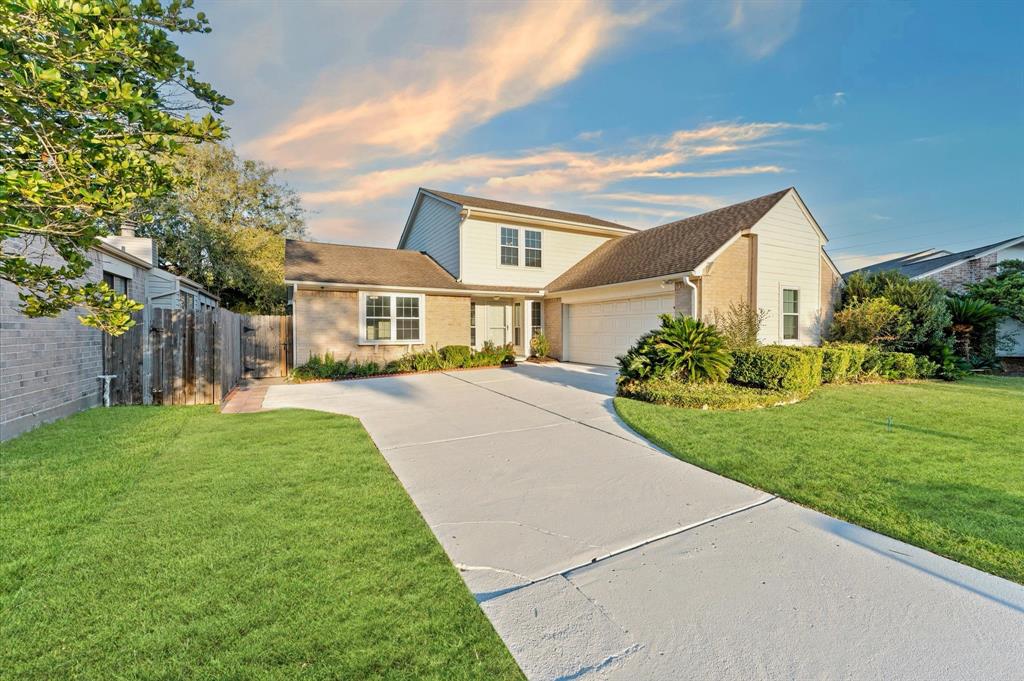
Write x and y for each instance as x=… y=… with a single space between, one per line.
x=176 y=542
x=948 y=477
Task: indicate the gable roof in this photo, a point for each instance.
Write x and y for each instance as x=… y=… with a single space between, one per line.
x=522 y=209
x=673 y=248
x=923 y=263
x=335 y=263
x=370 y=266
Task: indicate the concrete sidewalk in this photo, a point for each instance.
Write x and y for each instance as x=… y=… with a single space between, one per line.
x=596 y=555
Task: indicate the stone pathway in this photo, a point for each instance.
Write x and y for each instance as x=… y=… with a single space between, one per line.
x=248 y=397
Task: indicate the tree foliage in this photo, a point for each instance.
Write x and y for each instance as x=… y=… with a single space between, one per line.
x=94 y=101
x=1005 y=289
x=875 y=321
x=923 y=318
x=225 y=227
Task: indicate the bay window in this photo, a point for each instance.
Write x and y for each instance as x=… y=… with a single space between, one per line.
x=390 y=318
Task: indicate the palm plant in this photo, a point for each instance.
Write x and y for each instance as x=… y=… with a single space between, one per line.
x=683 y=347
x=970 y=315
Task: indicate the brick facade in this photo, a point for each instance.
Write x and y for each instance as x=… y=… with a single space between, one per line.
x=955 y=278
x=49 y=366
x=328 y=321
x=553 y=325
x=727 y=281
x=684 y=298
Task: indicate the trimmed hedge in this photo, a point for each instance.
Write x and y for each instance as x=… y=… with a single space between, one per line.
x=719 y=396
x=431 y=359
x=842 y=362
x=891 y=366
x=778 y=367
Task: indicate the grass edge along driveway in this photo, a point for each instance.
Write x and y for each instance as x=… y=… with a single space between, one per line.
x=165 y=542
x=948 y=477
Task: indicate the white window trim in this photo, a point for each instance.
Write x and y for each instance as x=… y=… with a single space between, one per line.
x=394 y=323
x=521 y=248
x=782 y=313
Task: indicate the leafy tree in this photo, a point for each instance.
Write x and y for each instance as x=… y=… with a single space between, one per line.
x=1005 y=289
x=875 y=320
x=924 y=317
x=94 y=101
x=226 y=227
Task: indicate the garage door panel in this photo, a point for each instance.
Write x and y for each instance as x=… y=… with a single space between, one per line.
x=598 y=332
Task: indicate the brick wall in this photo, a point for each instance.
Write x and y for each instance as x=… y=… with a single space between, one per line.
x=328 y=321
x=969 y=272
x=553 y=325
x=727 y=281
x=829 y=295
x=49 y=366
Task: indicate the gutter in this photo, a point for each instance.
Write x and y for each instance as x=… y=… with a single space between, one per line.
x=693 y=295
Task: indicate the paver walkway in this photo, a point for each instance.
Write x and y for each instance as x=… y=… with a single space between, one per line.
x=248 y=396
x=596 y=555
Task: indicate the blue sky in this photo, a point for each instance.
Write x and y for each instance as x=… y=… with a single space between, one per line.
x=901 y=124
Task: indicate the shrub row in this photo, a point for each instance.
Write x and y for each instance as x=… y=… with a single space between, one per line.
x=802 y=369
x=431 y=359
x=720 y=396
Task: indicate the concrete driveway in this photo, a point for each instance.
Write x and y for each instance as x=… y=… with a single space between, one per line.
x=596 y=555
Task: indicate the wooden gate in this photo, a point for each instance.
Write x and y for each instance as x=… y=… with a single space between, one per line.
x=123 y=359
x=183 y=364
x=266 y=346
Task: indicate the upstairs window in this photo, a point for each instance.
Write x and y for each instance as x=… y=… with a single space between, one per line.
x=118 y=283
x=390 y=318
x=509 y=246
x=531 y=255
x=790 y=313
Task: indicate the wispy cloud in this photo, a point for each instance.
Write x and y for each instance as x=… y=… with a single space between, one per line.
x=410 y=105
x=554 y=170
x=590 y=135
x=701 y=201
x=761 y=27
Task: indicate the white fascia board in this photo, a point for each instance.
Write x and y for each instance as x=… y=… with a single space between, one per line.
x=335 y=286
x=520 y=218
x=626 y=289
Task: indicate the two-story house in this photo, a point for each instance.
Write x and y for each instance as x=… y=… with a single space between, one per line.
x=469 y=270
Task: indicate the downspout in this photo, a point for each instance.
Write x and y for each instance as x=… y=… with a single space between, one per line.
x=693 y=295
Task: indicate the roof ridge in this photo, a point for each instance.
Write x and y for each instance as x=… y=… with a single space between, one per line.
x=781 y=192
x=465 y=199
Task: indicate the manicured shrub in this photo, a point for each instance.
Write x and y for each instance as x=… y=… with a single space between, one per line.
x=456 y=355
x=682 y=347
x=724 y=396
x=890 y=366
x=539 y=345
x=835 y=366
x=778 y=367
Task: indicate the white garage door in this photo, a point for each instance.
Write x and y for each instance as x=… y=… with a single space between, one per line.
x=600 y=331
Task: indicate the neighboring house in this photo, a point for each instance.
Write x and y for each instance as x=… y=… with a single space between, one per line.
x=955 y=270
x=50 y=366
x=471 y=270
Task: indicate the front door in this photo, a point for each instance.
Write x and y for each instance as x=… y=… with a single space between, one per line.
x=496 y=323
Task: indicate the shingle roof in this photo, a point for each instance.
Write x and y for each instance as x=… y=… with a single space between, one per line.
x=340 y=264
x=669 y=249
x=535 y=211
x=913 y=265
x=335 y=263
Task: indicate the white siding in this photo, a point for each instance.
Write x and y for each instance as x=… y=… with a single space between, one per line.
x=435 y=231
x=788 y=256
x=560 y=250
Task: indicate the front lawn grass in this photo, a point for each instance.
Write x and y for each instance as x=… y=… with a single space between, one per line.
x=176 y=542
x=948 y=477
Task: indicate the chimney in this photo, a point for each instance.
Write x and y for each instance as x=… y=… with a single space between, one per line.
x=128 y=228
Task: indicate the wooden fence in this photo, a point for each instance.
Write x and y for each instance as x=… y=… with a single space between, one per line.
x=194 y=357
